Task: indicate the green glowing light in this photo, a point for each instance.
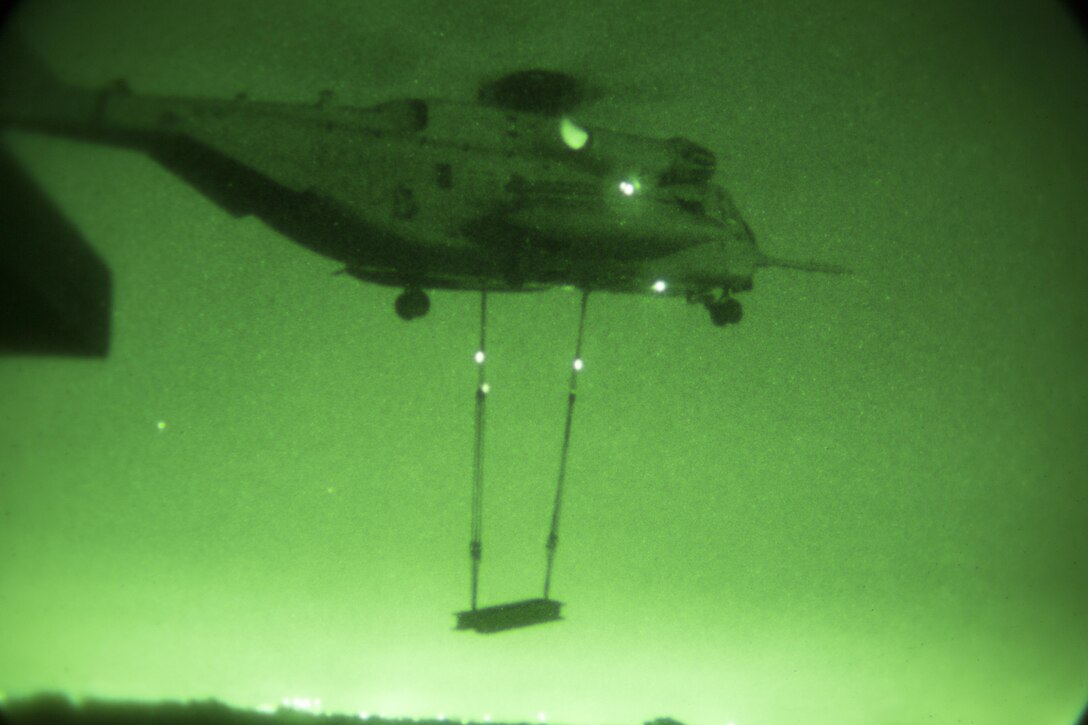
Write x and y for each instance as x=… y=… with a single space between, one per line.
x=573 y=135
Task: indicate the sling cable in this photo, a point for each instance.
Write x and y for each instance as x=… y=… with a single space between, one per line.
x=525 y=612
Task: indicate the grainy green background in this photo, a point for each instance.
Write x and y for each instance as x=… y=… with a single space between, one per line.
x=865 y=504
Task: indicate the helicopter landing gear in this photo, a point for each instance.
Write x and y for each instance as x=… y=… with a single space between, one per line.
x=724 y=311
x=412 y=303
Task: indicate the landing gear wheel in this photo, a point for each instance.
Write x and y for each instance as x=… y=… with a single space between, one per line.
x=725 y=311
x=412 y=303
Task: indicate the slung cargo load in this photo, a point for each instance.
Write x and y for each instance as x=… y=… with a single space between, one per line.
x=510 y=616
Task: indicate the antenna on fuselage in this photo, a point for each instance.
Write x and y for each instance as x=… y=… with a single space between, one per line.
x=805 y=266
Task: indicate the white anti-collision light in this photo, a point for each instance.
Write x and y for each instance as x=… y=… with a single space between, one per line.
x=574 y=136
x=660 y=286
x=480 y=357
x=578 y=364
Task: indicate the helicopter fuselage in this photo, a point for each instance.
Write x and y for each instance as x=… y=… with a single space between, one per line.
x=439 y=194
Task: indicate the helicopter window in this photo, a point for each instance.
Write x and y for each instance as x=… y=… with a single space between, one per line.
x=691 y=206
x=443 y=176
x=404 y=203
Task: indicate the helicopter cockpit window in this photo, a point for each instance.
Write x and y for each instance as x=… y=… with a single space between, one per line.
x=691 y=206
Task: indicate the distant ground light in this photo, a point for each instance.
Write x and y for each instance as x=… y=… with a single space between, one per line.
x=59 y=707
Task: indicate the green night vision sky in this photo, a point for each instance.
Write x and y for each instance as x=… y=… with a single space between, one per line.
x=864 y=504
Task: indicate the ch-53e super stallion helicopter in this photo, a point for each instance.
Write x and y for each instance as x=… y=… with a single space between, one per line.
x=503 y=193
x=506 y=192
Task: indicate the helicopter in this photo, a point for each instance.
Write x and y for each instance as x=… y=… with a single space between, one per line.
x=505 y=192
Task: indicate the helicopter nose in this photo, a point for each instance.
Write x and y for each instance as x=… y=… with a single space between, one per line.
x=690 y=163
